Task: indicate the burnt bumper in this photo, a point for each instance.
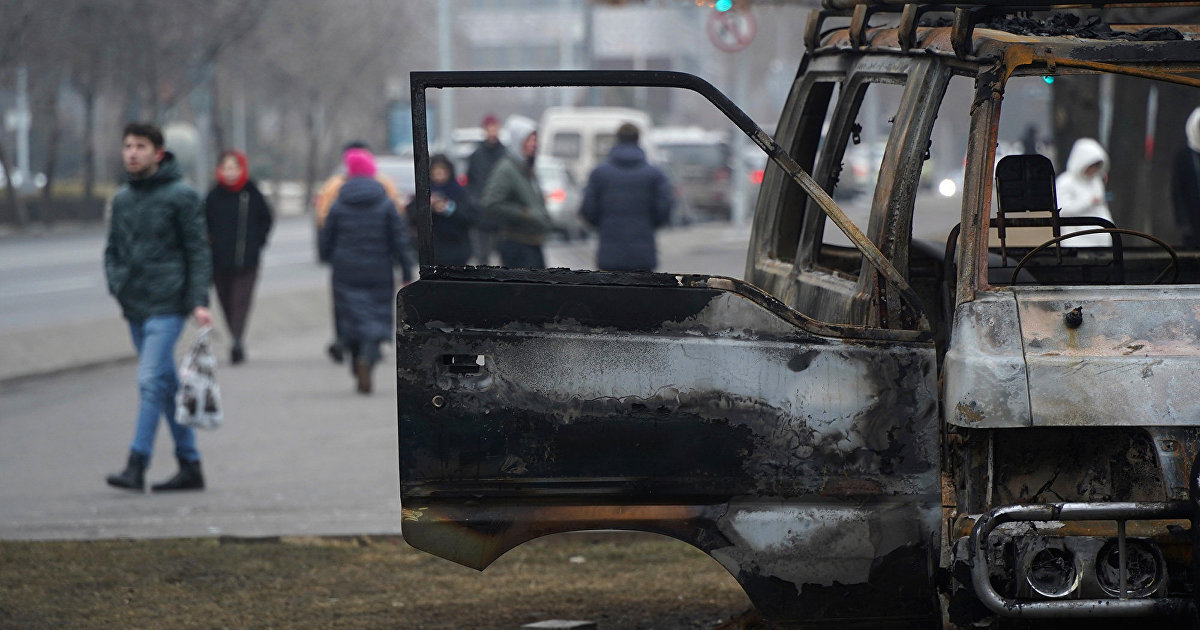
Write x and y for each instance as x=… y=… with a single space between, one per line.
x=1048 y=574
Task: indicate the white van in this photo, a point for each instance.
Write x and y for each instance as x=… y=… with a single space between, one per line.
x=581 y=137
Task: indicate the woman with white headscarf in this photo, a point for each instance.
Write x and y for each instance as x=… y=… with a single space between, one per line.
x=1185 y=184
x=1081 y=191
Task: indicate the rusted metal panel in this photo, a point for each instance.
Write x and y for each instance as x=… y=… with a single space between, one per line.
x=985 y=384
x=1124 y=364
x=528 y=408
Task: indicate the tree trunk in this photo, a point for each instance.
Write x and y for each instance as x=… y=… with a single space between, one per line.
x=218 y=131
x=89 y=143
x=315 y=131
x=16 y=205
x=51 y=152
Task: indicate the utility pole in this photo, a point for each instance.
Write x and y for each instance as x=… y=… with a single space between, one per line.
x=446 y=56
x=739 y=210
x=566 y=45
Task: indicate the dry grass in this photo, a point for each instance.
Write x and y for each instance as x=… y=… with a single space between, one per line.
x=618 y=581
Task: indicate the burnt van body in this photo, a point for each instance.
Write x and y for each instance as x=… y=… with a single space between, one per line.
x=922 y=419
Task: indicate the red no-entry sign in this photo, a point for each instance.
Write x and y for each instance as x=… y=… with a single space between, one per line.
x=731 y=30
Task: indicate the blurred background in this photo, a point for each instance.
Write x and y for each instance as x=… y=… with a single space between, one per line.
x=290 y=82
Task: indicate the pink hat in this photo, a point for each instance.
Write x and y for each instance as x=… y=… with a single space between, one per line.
x=489 y=120
x=359 y=163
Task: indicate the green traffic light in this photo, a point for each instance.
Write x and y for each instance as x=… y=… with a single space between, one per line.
x=1048 y=79
x=724 y=5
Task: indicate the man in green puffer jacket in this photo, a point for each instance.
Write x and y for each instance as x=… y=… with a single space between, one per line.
x=513 y=201
x=158 y=266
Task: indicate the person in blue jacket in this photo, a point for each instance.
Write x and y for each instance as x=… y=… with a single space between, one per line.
x=627 y=199
x=363 y=238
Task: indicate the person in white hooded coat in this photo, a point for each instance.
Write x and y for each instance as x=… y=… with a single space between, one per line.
x=513 y=202
x=1185 y=184
x=1081 y=191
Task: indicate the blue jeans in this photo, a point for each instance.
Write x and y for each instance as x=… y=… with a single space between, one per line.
x=154 y=338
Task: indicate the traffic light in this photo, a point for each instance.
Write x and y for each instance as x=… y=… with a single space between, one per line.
x=723 y=5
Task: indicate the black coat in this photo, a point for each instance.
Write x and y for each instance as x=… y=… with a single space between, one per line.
x=452 y=233
x=238 y=225
x=1185 y=195
x=362 y=238
x=479 y=167
x=626 y=199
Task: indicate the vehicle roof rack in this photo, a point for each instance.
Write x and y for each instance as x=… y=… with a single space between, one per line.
x=965 y=16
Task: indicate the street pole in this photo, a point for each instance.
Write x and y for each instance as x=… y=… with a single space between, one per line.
x=446 y=55
x=565 y=46
x=739 y=212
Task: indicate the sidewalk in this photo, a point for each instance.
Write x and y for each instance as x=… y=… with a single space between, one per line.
x=300 y=453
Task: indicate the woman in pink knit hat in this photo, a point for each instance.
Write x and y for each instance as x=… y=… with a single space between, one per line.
x=363 y=238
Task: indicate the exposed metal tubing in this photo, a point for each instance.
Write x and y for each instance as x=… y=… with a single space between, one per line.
x=1121 y=560
x=1117 y=511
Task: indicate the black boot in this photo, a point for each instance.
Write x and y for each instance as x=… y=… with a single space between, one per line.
x=238 y=353
x=362 y=375
x=134 y=475
x=189 y=477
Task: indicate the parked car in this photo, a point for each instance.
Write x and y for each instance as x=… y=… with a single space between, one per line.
x=463 y=142
x=699 y=163
x=581 y=137
x=563 y=197
x=930 y=426
x=401 y=170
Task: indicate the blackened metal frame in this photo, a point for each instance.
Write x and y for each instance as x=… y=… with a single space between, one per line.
x=421 y=81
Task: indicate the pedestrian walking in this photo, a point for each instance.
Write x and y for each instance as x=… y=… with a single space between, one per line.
x=1185 y=183
x=239 y=221
x=479 y=167
x=157 y=264
x=627 y=199
x=1081 y=191
x=453 y=214
x=362 y=238
x=513 y=201
x=321 y=205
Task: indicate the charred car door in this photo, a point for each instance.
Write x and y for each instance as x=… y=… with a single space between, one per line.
x=801 y=455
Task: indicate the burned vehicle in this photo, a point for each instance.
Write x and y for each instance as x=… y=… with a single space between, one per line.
x=949 y=415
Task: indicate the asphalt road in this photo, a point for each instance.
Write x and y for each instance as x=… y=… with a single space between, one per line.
x=58 y=277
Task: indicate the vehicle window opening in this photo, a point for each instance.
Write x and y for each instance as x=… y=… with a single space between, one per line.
x=937 y=207
x=808 y=143
x=565 y=144
x=1113 y=141
x=854 y=168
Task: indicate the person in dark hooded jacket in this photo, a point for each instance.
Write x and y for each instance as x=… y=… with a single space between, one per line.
x=453 y=214
x=239 y=220
x=626 y=199
x=158 y=267
x=362 y=238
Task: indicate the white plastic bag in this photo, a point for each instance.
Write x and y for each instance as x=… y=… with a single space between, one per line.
x=198 y=401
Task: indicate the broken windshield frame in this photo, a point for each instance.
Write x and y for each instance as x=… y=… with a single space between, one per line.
x=421 y=81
